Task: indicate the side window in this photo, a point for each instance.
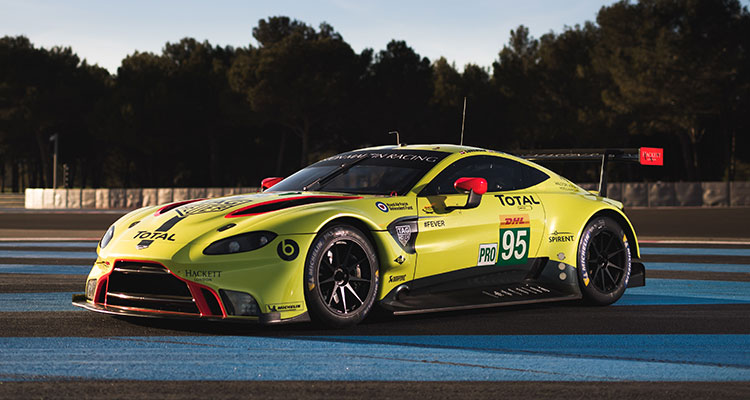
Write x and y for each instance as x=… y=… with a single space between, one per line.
x=506 y=174
x=443 y=183
x=501 y=174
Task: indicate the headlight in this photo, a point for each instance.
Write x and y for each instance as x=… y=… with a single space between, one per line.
x=240 y=243
x=107 y=237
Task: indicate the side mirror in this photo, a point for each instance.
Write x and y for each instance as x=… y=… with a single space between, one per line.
x=475 y=187
x=268 y=182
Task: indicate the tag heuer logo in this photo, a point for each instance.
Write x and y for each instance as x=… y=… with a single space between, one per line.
x=404 y=234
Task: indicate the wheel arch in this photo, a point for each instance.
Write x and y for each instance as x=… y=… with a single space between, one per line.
x=355 y=222
x=386 y=248
x=626 y=226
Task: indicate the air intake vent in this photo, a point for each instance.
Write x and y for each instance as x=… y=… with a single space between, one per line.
x=149 y=286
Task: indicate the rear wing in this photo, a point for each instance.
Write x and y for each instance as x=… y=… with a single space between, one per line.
x=643 y=156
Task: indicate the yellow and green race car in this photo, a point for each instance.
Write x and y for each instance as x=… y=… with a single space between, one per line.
x=416 y=228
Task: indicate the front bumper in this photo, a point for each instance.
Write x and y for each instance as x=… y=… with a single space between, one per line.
x=166 y=284
x=272 y=318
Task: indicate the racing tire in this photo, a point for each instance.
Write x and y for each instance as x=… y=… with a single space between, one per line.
x=603 y=262
x=341 y=277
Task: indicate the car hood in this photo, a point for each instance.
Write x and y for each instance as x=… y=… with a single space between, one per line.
x=179 y=223
x=211 y=214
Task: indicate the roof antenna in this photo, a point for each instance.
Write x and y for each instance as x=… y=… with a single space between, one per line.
x=463 y=120
x=398 y=138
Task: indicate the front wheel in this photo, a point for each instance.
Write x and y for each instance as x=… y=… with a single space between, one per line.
x=341 y=276
x=603 y=261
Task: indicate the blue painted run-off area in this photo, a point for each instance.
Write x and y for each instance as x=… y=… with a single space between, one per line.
x=44 y=269
x=47 y=254
x=382 y=358
x=23 y=302
x=680 y=292
x=697 y=267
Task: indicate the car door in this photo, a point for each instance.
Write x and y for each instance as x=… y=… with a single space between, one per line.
x=505 y=229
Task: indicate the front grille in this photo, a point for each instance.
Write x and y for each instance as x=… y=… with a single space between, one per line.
x=148 y=286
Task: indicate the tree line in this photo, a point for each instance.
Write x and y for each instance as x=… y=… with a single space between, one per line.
x=661 y=73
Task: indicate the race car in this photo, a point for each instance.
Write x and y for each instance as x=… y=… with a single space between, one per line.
x=413 y=228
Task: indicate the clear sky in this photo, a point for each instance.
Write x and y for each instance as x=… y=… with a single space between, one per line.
x=105 y=31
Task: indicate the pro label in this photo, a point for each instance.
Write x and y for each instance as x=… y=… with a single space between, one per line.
x=487 y=254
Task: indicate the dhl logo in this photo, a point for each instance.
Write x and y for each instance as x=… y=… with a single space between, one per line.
x=515 y=221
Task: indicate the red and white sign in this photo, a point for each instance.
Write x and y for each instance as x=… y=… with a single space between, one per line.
x=651 y=156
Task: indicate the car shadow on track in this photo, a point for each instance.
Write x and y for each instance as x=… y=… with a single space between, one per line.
x=379 y=322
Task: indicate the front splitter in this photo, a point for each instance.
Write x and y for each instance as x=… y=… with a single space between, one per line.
x=264 y=319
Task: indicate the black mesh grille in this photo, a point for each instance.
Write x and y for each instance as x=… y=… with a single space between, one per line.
x=149 y=286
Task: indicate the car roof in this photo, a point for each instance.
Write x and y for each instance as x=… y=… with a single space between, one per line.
x=447 y=148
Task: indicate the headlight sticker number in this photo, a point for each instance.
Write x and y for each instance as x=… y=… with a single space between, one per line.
x=515 y=233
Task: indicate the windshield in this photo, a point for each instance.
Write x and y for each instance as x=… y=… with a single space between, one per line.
x=385 y=172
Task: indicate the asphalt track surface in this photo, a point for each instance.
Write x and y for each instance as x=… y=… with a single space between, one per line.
x=685 y=335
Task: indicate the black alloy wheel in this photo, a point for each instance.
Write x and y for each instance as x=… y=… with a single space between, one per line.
x=341 y=276
x=603 y=261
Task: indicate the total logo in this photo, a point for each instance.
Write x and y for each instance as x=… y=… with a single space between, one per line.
x=381 y=206
x=520 y=200
x=154 y=236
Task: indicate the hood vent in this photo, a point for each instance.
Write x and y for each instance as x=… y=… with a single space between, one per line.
x=172 y=206
x=280 y=204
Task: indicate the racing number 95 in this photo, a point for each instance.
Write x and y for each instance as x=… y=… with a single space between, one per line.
x=514 y=246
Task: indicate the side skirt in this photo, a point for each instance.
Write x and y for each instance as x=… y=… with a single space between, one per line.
x=537 y=281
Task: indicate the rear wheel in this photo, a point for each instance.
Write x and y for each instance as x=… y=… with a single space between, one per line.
x=603 y=261
x=341 y=276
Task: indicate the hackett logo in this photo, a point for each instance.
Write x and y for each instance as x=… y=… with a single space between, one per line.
x=154 y=236
x=191 y=273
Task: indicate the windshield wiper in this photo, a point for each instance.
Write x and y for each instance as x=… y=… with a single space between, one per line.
x=329 y=176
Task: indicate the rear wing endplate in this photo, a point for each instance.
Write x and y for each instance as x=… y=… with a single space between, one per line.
x=643 y=156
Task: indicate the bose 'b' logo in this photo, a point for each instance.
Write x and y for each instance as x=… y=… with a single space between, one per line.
x=288 y=250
